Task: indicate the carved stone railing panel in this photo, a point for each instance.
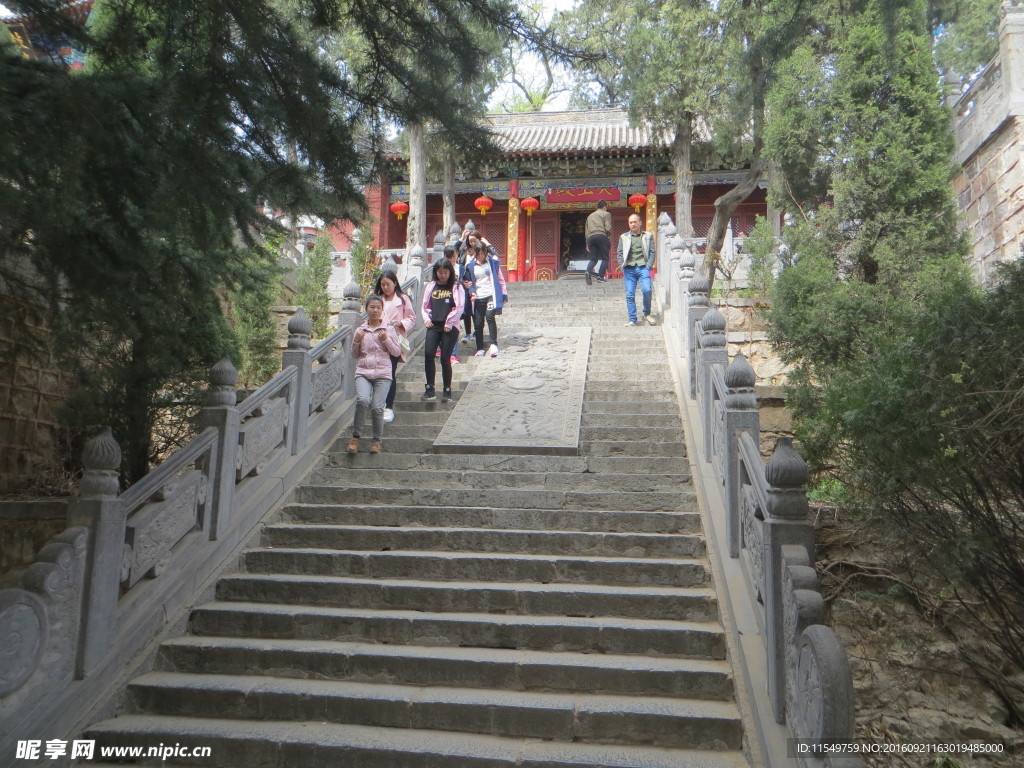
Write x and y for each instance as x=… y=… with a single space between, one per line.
x=153 y=531
x=265 y=430
x=328 y=376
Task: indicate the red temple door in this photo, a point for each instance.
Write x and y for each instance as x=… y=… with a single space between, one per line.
x=543 y=246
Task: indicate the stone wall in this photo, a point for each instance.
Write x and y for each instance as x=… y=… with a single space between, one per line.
x=747 y=333
x=26 y=527
x=31 y=392
x=990 y=196
x=989 y=131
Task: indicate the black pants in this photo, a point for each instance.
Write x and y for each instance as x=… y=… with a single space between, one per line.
x=390 y=402
x=480 y=314
x=438 y=337
x=599 y=246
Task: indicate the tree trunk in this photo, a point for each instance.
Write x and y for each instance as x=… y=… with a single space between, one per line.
x=448 y=196
x=681 y=162
x=726 y=205
x=416 y=231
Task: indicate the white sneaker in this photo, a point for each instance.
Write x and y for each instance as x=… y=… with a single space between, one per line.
x=493 y=350
x=478 y=353
x=389 y=415
x=631 y=323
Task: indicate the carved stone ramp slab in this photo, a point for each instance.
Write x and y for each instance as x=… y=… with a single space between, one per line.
x=529 y=399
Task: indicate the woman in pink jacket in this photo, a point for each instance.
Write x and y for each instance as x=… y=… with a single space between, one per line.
x=373 y=344
x=399 y=314
x=443 y=300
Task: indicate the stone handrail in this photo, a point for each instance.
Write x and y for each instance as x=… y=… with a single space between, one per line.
x=766 y=522
x=101 y=591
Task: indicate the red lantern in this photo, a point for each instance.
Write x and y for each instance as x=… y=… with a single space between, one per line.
x=530 y=205
x=399 y=209
x=483 y=204
x=637 y=201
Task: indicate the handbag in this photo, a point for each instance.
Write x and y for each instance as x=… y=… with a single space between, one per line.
x=404 y=345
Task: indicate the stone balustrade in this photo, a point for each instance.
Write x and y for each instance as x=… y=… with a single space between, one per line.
x=766 y=526
x=131 y=564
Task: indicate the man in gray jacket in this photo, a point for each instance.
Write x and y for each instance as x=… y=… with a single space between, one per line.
x=599 y=241
x=636 y=257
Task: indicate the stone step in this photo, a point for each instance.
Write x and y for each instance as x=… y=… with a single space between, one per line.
x=274 y=744
x=478 y=668
x=606 y=404
x=605 y=521
x=377 y=538
x=633 y=448
x=516 y=498
x=487 y=479
x=655 y=721
x=642 y=421
x=651 y=637
x=686 y=603
x=512 y=463
x=623 y=434
x=477 y=566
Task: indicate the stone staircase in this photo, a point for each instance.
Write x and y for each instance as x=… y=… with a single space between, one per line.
x=419 y=609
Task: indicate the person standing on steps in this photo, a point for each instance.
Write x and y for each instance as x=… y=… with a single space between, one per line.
x=636 y=255
x=373 y=344
x=400 y=315
x=443 y=299
x=599 y=241
x=460 y=257
x=489 y=293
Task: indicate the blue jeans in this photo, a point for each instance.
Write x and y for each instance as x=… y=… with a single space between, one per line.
x=630 y=275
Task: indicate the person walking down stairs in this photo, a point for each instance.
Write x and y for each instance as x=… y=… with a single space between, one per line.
x=374 y=344
x=489 y=293
x=443 y=299
x=399 y=314
x=636 y=255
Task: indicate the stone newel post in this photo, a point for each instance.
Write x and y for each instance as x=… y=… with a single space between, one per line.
x=299 y=330
x=221 y=412
x=101 y=511
x=786 y=525
x=351 y=314
x=741 y=415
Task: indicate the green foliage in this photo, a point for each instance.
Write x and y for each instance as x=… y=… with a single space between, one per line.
x=761 y=246
x=252 y=317
x=363 y=265
x=907 y=381
x=966 y=37
x=312 y=278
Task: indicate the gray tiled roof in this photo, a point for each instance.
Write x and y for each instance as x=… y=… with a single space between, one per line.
x=591 y=130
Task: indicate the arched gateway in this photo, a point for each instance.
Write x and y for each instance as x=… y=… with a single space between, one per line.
x=566 y=161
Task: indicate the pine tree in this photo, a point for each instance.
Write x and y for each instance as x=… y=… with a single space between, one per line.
x=133 y=188
x=253 y=319
x=312 y=278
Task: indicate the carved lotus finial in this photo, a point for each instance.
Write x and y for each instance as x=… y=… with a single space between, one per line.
x=740 y=373
x=102 y=451
x=670 y=230
x=223 y=373
x=300 y=324
x=664 y=219
x=713 y=320
x=786 y=468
